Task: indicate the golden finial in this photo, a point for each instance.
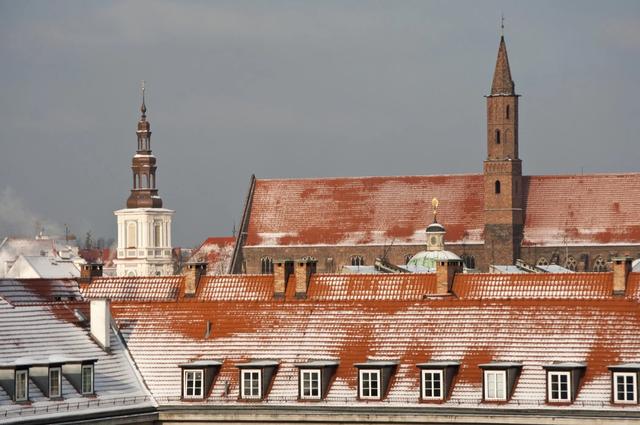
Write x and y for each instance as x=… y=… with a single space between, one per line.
x=143 y=108
x=434 y=205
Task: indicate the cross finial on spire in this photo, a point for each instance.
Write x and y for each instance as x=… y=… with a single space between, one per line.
x=143 y=108
x=501 y=24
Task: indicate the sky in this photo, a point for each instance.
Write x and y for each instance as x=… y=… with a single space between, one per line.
x=294 y=89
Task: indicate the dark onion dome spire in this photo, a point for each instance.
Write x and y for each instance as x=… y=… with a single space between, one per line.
x=502 y=82
x=144 y=193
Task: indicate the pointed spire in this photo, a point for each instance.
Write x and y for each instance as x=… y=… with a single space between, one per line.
x=502 y=82
x=143 y=108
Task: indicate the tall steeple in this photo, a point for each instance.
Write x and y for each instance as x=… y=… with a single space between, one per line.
x=144 y=193
x=502 y=169
x=502 y=82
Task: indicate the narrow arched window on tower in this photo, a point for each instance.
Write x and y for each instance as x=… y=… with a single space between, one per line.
x=497 y=137
x=497 y=186
x=507 y=111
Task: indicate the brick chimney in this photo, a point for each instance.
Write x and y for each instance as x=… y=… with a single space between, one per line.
x=445 y=271
x=89 y=271
x=304 y=269
x=101 y=322
x=621 y=269
x=281 y=271
x=194 y=271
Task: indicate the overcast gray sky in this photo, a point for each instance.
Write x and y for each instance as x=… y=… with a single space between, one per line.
x=294 y=89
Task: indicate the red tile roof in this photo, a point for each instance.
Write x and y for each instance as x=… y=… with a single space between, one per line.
x=356 y=319
x=334 y=287
x=236 y=287
x=582 y=209
x=534 y=286
x=217 y=253
x=161 y=288
x=38 y=291
x=585 y=210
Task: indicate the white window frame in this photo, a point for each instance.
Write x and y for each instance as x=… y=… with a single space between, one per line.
x=370 y=373
x=57 y=381
x=243 y=387
x=22 y=394
x=313 y=375
x=86 y=391
x=432 y=387
x=558 y=375
x=194 y=379
x=634 y=378
x=489 y=381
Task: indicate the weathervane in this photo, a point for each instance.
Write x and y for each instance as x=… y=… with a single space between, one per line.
x=434 y=205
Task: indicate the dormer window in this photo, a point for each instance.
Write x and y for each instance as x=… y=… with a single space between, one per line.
x=251 y=383
x=374 y=377
x=499 y=380
x=563 y=380
x=624 y=383
x=22 y=385
x=55 y=382
x=87 y=379
x=436 y=378
x=198 y=377
x=193 y=383
x=255 y=378
x=314 y=377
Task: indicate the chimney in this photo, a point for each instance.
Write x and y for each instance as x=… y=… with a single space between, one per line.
x=101 y=322
x=281 y=271
x=89 y=271
x=304 y=269
x=621 y=269
x=445 y=271
x=195 y=270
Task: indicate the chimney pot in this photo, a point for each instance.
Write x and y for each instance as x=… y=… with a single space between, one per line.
x=445 y=272
x=304 y=269
x=193 y=274
x=621 y=269
x=101 y=322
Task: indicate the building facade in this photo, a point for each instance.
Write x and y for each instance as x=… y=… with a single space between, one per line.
x=579 y=222
x=144 y=227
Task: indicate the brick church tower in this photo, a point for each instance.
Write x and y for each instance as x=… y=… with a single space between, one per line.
x=502 y=168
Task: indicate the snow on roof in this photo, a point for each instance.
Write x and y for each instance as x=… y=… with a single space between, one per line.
x=155 y=288
x=559 y=210
x=529 y=320
x=534 y=286
x=38 y=291
x=217 y=252
x=38 y=334
x=554 y=268
x=52 y=268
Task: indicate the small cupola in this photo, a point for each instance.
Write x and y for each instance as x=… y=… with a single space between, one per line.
x=435 y=231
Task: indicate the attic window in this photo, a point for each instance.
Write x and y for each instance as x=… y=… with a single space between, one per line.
x=251 y=383
x=374 y=377
x=22 y=387
x=495 y=385
x=563 y=380
x=255 y=378
x=436 y=378
x=55 y=382
x=87 y=379
x=625 y=387
x=369 y=384
x=193 y=383
x=310 y=384
x=625 y=383
x=559 y=388
x=499 y=380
